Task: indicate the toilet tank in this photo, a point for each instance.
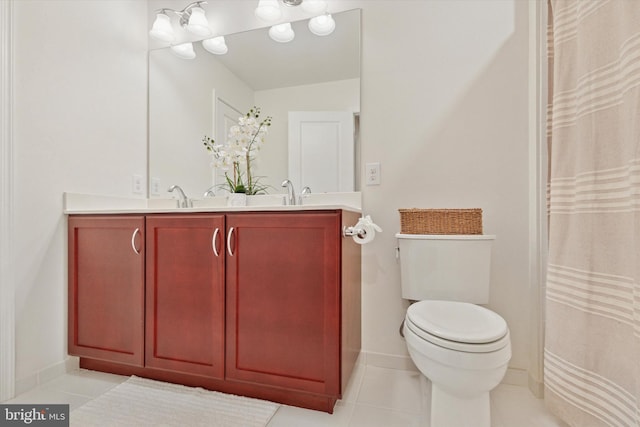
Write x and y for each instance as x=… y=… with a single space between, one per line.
x=445 y=267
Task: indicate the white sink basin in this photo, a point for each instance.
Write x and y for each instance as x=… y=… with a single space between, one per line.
x=266 y=200
x=210 y=202
x=162 y=203
x=258 y=201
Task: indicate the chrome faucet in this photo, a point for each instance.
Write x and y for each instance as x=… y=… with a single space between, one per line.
x=291 y=194
x=184 y=201
x=305 y=191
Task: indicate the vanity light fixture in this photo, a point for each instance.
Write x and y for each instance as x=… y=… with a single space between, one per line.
x=192 y=18
x=282 y=33
x=162 y=29
x=268 y=10
x=215 y=45
x=322 y=25
x=197 y=23
x=184 y=50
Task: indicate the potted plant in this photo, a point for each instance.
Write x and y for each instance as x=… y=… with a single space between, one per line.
x=238 y=152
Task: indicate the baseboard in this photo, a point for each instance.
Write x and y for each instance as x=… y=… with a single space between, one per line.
x=390 y=361
x=536 y=387
x=513 y=376
x=47 y=374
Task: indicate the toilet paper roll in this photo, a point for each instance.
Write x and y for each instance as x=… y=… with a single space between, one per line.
x=368 y=235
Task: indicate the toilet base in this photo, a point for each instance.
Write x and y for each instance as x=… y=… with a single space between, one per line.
x=448 y=410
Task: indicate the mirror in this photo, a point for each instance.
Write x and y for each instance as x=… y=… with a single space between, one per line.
x=189 y=99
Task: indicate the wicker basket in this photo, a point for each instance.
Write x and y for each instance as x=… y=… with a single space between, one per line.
x=440 y=221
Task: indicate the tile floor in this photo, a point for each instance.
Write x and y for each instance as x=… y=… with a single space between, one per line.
x=374 y=397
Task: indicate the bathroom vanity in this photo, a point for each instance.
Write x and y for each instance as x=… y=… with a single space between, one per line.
x=256 y=302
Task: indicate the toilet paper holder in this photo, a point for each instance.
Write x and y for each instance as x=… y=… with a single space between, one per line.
x=353 y=231
x=363 y=232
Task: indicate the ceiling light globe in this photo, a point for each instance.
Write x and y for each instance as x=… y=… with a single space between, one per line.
x=268 y=10
x=198 y=23
x=184 y=50
x=162 y=29
x=322 y=25
x=216 y=45
x=282 y=33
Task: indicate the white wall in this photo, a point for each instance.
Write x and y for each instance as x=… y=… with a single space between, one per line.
x=79 y=126
x=341 y=95
x=181 y=114
x=444 y=109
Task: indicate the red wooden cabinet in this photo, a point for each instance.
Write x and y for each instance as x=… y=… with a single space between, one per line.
x=185 y=294
x=283 y=300
x=262 y=304
x=106 y=288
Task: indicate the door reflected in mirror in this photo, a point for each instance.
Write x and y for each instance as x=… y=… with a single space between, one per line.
x=189 y=99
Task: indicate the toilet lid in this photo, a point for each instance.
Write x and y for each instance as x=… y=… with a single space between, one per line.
x=457 y=321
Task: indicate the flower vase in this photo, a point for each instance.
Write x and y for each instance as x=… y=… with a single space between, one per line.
x=237 y=199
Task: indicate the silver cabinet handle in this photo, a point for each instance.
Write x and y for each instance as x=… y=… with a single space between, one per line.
x=229 y=241
x=133 y=241
x=214 y=242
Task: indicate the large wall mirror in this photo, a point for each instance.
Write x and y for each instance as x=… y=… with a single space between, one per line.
x=192 y=98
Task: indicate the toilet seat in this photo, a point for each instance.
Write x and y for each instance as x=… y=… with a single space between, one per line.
x=458 y=326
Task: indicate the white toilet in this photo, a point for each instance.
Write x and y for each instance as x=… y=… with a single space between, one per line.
x=461 y=347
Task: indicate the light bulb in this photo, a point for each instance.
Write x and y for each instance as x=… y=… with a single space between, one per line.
x=268 y=10
x=162 y=29
x=322 y=25
x=198 y=23
x=282 y=33
x=184 y=50
x=215 y=45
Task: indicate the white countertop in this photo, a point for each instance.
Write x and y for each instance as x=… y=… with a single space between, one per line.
x=76 y=204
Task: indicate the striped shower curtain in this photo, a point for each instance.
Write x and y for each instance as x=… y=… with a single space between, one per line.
x=592 y=340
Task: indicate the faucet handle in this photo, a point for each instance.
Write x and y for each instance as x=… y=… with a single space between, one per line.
x=305 y=192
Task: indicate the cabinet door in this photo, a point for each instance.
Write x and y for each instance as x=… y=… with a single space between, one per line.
x=185 y=294
x=283 y=300
x=106 y=288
